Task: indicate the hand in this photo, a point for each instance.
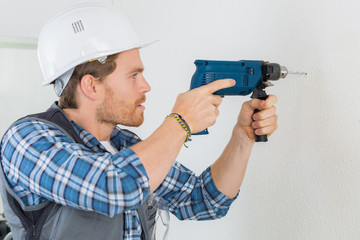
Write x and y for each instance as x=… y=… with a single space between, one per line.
x=199 y=107
x=261 y=123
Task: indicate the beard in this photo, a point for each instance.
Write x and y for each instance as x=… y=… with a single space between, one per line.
x=114 y=111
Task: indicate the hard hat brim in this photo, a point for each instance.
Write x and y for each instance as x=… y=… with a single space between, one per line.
x=140 y=45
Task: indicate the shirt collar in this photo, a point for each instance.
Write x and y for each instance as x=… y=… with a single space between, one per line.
x=119 y=138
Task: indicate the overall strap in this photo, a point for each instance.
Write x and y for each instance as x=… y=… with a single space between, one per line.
x=56 y=116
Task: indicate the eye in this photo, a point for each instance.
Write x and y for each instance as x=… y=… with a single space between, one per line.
x=134 y=75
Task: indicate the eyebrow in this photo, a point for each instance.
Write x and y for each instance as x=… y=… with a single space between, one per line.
x=138 y=70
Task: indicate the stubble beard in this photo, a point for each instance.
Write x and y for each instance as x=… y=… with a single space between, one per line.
x=113 y=112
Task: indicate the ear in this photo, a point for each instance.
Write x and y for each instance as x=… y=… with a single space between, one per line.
x=89 y=86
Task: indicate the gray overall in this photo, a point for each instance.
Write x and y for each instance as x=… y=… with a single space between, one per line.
x=51 y=221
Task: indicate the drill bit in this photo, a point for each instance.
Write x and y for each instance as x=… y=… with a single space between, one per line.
x=297 y=73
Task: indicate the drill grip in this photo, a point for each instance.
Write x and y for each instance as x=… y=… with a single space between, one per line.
x=260 y=138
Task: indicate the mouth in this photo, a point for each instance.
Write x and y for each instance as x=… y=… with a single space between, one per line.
x=141 y=107
x=142 y=101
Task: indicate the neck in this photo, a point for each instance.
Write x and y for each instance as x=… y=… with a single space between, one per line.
x=87 y=120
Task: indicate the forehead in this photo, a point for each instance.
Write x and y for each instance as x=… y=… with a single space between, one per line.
x=129 y=59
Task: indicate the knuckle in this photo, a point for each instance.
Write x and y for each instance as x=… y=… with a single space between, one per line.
x=275 y=99
x=273 y=119
x=180 y=95
x=210 y=120
x=213 y=121
x=274 y=111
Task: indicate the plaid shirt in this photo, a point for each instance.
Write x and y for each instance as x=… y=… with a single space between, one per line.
x=41 y=163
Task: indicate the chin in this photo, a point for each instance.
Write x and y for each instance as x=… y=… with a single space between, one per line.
x=136 y=123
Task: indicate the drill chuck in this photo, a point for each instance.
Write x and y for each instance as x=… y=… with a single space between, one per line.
x=274 y=71
x=283 y=72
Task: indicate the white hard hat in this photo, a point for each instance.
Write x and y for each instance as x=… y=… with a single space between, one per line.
x=81 y=33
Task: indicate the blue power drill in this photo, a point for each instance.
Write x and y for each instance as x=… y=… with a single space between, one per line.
x=250 y=76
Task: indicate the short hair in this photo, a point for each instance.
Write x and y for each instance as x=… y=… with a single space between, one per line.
x=98 y=70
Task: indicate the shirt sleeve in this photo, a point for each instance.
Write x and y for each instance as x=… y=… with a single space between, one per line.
x=192 y=197
x=40 y=162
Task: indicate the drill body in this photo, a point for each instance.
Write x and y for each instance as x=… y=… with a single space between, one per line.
x=251 y=76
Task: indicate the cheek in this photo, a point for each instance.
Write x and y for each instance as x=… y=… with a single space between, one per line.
x=120 y=89
x=122 y=97
x=124 y=89
x=125 y=84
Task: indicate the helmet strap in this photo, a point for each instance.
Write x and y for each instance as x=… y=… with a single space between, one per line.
x=61 y=82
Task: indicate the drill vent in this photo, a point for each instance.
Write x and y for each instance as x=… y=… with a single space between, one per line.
x=78 y=26
x=245 y=81
x=207 y=78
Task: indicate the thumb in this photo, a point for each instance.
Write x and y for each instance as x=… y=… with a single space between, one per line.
x=264 y=104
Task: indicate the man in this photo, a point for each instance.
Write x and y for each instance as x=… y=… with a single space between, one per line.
x=70 y=173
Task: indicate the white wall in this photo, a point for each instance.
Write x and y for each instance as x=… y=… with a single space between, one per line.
x=303 y=183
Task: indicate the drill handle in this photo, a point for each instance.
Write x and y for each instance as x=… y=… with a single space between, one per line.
x=259 y=93
x=260 y=138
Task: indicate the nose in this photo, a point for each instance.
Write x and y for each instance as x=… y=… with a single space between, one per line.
x=145 y=86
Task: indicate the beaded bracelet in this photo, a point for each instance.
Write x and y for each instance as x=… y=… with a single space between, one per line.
x=183 y=124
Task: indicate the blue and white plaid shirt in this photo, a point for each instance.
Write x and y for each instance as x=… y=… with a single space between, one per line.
x=41 y=162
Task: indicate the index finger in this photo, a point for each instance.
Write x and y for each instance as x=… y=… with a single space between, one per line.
x=219 y=84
